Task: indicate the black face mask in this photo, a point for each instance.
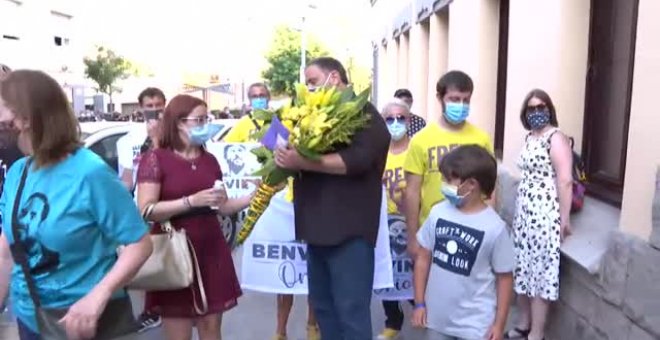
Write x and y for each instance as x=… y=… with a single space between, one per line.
x=8 y=136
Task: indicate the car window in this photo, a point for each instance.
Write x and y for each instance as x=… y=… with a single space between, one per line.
x=106 y=148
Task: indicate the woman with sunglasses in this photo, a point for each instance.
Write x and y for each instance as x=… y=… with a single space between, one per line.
x=178 y=177
x=397 y=117
x=541 y=220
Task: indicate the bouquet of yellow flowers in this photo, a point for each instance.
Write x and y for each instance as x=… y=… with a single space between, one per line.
x=314 y=125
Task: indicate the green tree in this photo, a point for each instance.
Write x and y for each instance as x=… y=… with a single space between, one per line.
x=106 y=69
x=284 y=59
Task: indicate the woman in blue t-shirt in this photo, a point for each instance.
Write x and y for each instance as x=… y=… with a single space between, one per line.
x=72 y=213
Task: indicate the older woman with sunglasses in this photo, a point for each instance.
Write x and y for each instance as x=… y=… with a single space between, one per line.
x=397 y=117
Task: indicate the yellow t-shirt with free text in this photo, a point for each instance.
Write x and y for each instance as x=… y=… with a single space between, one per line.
x=425 y=152
x=394 y=180
x=242 y=132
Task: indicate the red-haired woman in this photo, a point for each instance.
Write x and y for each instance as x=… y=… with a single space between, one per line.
x=178 y=177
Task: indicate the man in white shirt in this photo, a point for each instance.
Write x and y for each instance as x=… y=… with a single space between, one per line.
x=130 y=148
x=139 y=140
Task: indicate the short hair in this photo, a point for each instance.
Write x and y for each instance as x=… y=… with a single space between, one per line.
x=395 y=102
x=403 y=93
x=544 y=97
x=179 y=107
x=151 y=92
x=454 y=80
x=38 y=99
x=262 y=85
x=329 y=64
x=471 y=161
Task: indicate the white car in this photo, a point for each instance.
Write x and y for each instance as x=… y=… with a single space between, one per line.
x=102 y=137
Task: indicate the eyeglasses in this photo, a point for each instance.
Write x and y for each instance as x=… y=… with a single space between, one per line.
x=390 y=120
x=198 y=120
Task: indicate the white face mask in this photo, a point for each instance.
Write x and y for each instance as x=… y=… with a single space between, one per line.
x=312 y=88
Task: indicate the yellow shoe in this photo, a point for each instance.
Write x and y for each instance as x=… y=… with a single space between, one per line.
x=388 y=334
x=313 y=333
x=279 y=337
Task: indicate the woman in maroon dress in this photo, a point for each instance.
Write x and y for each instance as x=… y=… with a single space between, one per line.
x=179 y=178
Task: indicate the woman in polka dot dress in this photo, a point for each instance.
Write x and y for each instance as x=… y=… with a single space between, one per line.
x=542 y=214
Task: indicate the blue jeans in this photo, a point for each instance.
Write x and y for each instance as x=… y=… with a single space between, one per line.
x=340 y=287
x=25 y=333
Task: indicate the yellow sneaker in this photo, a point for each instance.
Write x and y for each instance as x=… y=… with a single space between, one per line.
x=279 y=337
x=313 y=333
x=388 y=334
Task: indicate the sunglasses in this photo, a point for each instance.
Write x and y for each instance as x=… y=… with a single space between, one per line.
x=540 y=107
x=390 y=120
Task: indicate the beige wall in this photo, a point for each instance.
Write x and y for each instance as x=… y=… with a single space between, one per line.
x=643 y=146
x=473 y=42
x=552 y=57
x=418 y=67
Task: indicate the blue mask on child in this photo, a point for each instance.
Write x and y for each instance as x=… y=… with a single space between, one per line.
x=397 y=130
x=451 y=194
x=203 y=133
x=456 y=113
x=260 y=103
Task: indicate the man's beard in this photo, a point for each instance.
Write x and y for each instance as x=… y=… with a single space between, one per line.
x=235 y=167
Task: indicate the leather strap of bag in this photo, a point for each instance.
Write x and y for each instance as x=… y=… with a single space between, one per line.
x=18 y=248
x=200 y=284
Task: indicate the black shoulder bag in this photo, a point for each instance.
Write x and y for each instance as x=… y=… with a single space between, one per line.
x=115 y=321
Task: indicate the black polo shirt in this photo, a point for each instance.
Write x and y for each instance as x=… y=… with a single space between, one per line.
x=331 y=209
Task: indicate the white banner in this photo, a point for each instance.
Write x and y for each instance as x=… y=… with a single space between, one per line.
x=274 y=263
x=238 y=164
x=402 y=264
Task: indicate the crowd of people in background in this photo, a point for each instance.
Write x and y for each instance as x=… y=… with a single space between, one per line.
x=65 y=213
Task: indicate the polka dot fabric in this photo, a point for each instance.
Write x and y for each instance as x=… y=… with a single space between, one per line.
x=536 y=224
x=417 y=123
x=538 y=119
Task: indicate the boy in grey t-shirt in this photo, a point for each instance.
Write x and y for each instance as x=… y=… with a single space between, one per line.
x=463 y=270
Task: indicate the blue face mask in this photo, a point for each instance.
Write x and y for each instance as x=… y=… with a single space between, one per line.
x=203 y=133
x=451 y=194
x=538 y=119
x=260 y=103
x=397 y=130
x=456 y=113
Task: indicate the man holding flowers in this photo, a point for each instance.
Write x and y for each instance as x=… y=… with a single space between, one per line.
x=337 y=203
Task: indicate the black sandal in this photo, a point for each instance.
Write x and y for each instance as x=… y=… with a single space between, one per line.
x=517 y=333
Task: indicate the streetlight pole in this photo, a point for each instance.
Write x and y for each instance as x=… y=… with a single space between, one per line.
x=303 y=50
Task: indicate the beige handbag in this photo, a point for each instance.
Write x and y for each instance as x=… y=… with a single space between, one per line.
x=172 y=264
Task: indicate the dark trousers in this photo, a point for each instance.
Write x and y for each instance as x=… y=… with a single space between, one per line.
x=340 y=287
x=394 y=314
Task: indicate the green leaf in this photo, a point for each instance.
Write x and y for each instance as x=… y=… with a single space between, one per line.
x=278 y=176
x=307 y=153
x=265 y=115
x=267 y=169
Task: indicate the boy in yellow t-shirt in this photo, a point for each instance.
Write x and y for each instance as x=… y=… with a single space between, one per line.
x=423 y=177
x=397 y=117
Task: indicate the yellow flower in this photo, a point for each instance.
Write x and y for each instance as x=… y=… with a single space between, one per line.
x=288 y=124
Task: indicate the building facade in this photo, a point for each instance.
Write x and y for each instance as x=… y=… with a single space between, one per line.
x=599 y=60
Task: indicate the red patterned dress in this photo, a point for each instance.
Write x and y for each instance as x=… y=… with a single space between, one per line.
x=180 y=177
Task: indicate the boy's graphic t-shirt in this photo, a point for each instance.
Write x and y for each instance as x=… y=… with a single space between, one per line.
x=425 y=152
x=467 y=250
x=394 y=180
x=71 y=218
